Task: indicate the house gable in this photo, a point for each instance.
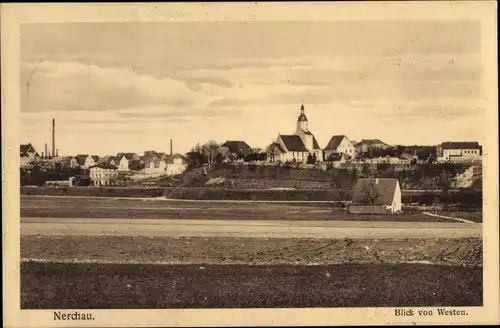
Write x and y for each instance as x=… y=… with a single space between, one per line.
x=335 y=142
x=238 y=146
x=292 y=143
x=375 y=191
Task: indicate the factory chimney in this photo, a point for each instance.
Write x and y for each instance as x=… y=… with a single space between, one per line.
x=171 y=150
x=46 y=151
x=53 y=137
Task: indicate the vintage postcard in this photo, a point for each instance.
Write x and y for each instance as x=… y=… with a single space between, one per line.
x=250 y=164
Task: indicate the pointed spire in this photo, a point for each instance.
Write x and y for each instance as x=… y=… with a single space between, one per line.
x=302 y=116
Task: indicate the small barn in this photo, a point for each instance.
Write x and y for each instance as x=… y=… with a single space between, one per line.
x=376 y=196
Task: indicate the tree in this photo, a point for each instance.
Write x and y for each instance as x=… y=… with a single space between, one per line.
x=209 y=149
x=219 y=158
x=262 y=157
x=272 y=151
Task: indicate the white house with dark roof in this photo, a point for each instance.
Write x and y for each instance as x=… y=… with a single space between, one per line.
x=28 y=154
x=293 y=148
x=125 y=160
x=300 y=145
x=108 y=160
x=376 y=196
x=274 y=151
x=340 y=144
x=463 y=151
x=80 y=160
x=365 y=145
x=104 y=174
x=176 y=164
x=238 y=148
x=155 y=166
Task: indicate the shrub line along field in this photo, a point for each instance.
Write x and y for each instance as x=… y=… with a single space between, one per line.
x=465 y=196
x=69 y=207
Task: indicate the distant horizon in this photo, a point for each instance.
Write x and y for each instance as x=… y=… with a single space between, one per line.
x=115 y=87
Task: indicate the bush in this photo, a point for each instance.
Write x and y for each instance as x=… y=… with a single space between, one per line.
x=263 y=195
x=93 y=191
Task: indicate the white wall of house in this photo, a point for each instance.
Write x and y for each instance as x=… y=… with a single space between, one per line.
x=89 y=161
x=123 y=164
x=307 y=139
x=299 y=156
x=319 y=155
x=176 y=168
x=460 y=155
x=151 y=168
x=73 y=162
x=25 y=160
x=103 y=176
x=397 y=205
x=345 y=147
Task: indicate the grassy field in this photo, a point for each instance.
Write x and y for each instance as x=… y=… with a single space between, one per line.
x=116 y=249
x=132 y=208
x=98 y=286
x=216 y=193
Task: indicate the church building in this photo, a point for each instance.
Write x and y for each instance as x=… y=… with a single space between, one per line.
x=301 y=145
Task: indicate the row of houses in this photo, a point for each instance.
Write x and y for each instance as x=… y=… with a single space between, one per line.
x=151 y=162
x=302 y=147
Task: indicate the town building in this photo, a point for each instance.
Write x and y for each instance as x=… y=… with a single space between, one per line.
x=176 y=164
x=127 y=161
x=109 y=160
x=224 y=155
x=274 y=151
x=463 y=151
x=80 y=159
x=155 y=166
x=150 y=155
x=79 y=181
x=27 y=154
x=337 y=159
x=301 y=145
x=365 y=145
x=376 y=196
x=340 y=144
x=85 y=161
x=240 y=149
x=64 y=161
x=104 y=175
x=73 y=162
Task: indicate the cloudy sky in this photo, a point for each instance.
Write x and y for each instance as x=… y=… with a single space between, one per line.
x=132 y=86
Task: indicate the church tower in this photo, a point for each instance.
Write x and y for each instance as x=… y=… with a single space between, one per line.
x=303 y=130
x=302 y=121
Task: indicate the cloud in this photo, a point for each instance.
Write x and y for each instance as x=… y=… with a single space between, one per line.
x=69 y=86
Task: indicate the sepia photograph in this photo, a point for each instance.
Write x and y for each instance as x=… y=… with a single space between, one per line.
x=253 y=163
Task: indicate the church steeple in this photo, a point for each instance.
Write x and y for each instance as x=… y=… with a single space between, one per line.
x=302 y=116
x=302 y=120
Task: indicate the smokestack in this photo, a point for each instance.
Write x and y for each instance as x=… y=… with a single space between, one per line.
x=53 y=136
x=46 y=150
x=171 y=150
